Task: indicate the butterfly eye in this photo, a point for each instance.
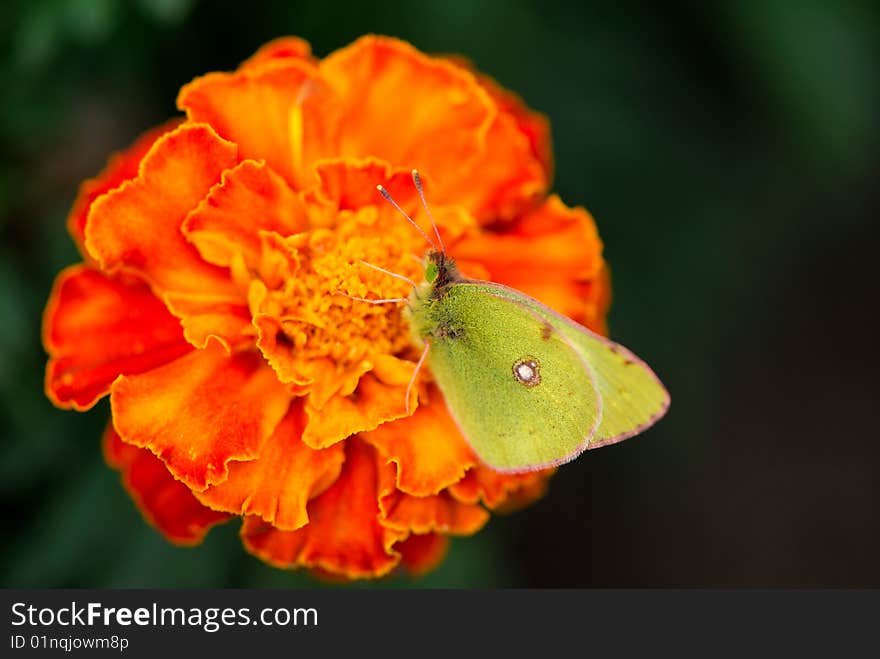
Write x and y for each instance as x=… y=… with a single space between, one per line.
x=431 y=272
x=527 y=371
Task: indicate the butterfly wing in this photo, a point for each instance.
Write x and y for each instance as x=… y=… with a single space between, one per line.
x=524 y=399
x=632 y=396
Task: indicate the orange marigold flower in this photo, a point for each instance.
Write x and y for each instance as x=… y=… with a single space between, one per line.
x=215 y=302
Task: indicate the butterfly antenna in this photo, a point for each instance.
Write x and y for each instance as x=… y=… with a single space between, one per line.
x=391 y=201
x=387 y=300
x=389 y=273
x=418 y=181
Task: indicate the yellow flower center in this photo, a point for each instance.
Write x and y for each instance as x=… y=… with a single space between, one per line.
x=311 y=279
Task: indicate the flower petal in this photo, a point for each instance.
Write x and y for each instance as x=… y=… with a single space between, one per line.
x=506 y=180
x=434 y=513
x=277 y=485
x=137 y=226
x=500 y=491
x=455 y=131
x=533 y=125
x=96 y=328
x=553 y=254
x=427 y=448
x=166 y=503
x=278 y=111
x=120 y=167
x=439 y=512
x=421 y=553
x=373 y=403
x=277 y=349
x=201 y=411
x=438 y=133
x=350 y=183
x=204 y=317
x=279 y=49
x=343 y=536
x=249 y=198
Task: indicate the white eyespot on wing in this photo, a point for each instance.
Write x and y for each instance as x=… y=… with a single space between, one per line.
x=527 y=371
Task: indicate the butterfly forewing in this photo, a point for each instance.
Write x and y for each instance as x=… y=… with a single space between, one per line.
x=523 y=396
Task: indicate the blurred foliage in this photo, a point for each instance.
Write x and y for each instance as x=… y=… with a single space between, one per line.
x=727 y=150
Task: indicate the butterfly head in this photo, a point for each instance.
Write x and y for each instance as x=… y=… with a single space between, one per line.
x=440 y=272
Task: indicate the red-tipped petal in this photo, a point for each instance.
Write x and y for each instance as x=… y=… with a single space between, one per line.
x=121 y=167
x=166 y=503
x=201 y=411
x=278 y=484
x=96 y=328
x=343 y=536
x=427 y=448
x=422 y=553
x=137 y=227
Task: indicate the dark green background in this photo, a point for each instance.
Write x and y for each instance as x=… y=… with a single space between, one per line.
x=730 y=156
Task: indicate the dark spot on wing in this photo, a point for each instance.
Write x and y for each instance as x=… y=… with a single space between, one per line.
x=616 y=350
x=546 y=331
x=447 y=331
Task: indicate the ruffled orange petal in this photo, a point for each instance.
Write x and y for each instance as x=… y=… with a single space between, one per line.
x=120 y=167
x=343 y=536
x=440 y=512
x=533 y=125
x=372 y=403
x=166 y=503
x=438 y=131
x=524 y=494
x=504 y=192
x=275 y=109
x=277 y=485
x=422 y=553
x=453 y=131
x=434 y=513
x=249 y=198
x=326 y=380
x=204 y=317
x=350 y=183
x=427 y=448
x=500 y=491
x=137 y=226
x=553 y=254
x=282 y=48
x=200 y=412
x=96 y=328
x=510 y=178
x=277 y=348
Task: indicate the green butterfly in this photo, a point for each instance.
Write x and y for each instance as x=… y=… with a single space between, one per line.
x=528 y=387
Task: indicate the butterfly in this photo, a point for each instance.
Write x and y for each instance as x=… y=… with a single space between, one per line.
x=528 y=387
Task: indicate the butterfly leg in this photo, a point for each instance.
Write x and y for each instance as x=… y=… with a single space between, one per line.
x=415 y=374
